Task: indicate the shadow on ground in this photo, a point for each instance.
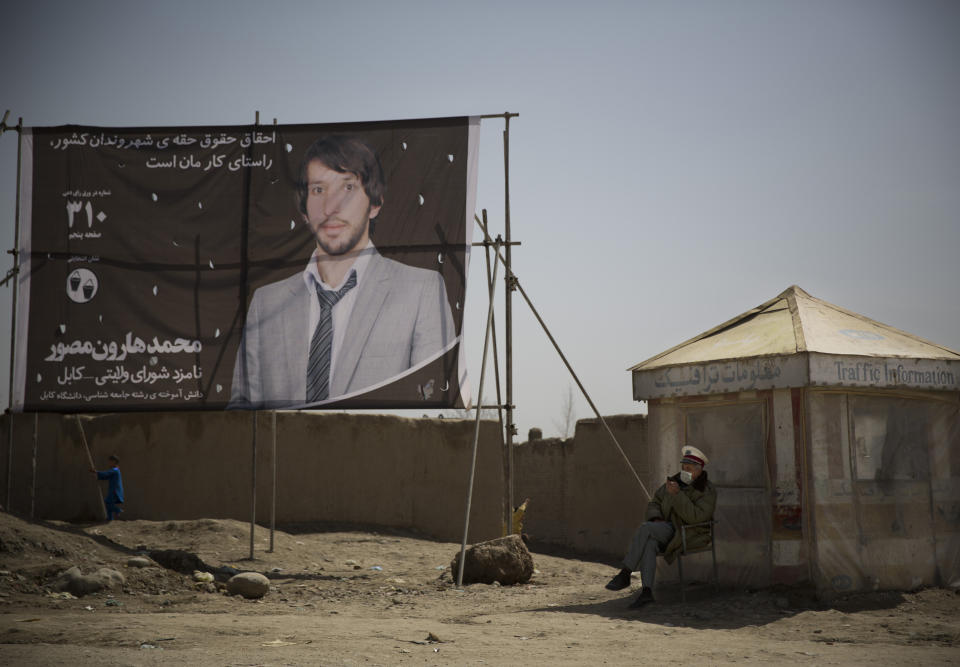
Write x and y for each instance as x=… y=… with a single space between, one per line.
x=706 y=609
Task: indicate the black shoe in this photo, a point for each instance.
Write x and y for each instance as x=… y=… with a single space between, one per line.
x=620 y=581
x=644 y=598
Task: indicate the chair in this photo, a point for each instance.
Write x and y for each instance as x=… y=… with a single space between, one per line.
x=686 y=552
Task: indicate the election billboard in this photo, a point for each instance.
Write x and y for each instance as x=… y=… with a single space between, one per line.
x=244 y=267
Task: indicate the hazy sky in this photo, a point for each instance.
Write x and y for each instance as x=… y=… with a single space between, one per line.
x=674 y=163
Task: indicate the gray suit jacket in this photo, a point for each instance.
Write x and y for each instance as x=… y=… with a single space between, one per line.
x=401 y=317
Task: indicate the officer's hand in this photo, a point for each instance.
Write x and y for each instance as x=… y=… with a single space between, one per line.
x=672 y=487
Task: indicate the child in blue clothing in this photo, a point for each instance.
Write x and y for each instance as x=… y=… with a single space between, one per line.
x=114 y=487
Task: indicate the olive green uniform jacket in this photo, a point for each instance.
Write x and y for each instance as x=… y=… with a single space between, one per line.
x=694 y=503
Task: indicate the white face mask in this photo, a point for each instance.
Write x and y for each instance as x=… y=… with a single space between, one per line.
x=686 y=477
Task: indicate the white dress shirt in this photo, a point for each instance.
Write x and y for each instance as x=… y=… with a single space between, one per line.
x=342 y=309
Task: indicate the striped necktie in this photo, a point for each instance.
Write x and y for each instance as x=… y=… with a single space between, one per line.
x=318 y=365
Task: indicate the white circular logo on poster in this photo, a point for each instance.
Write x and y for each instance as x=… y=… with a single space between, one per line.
x=82 y=285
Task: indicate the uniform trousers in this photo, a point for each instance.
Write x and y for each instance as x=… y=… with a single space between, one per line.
x=647 y=542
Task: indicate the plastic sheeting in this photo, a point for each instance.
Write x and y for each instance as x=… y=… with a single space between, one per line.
x=732 y=437
x=886 y=490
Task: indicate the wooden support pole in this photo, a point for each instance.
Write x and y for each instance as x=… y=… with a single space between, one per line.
x=83 y=436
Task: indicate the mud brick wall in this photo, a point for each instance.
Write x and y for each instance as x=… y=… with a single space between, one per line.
x=370 y=469
x=582 y=494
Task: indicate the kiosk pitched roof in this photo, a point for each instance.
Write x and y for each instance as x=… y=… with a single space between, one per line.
x=796 y=322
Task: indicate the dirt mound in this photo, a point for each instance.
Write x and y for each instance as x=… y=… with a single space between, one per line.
x=21 y=541
x=212 y=540
x=32 y=555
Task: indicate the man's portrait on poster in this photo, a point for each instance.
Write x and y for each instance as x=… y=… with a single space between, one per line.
x=352 y=319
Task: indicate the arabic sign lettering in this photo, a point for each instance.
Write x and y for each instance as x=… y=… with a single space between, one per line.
x=720 y=377
x=141 y=249
x=798 y=370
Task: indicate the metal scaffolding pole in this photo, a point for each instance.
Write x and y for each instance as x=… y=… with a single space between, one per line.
x=273 y=467
x=253 y=482
x=476 y=425
x=12 y=276
x=33 y=469
x=508 y=305
x=507 y=509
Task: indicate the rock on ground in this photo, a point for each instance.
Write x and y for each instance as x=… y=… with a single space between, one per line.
x=248 y=584
x=75 y=582
x=505 y=560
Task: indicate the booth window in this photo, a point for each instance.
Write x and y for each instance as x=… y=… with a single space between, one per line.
x=892 y=438
x=733 y=437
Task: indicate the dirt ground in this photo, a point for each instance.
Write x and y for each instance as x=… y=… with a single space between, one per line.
x=359 y=597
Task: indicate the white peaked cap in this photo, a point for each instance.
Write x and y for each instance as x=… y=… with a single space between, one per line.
x=691 y=454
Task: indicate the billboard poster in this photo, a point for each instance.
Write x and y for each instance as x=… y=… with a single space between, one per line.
x=244 y=267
